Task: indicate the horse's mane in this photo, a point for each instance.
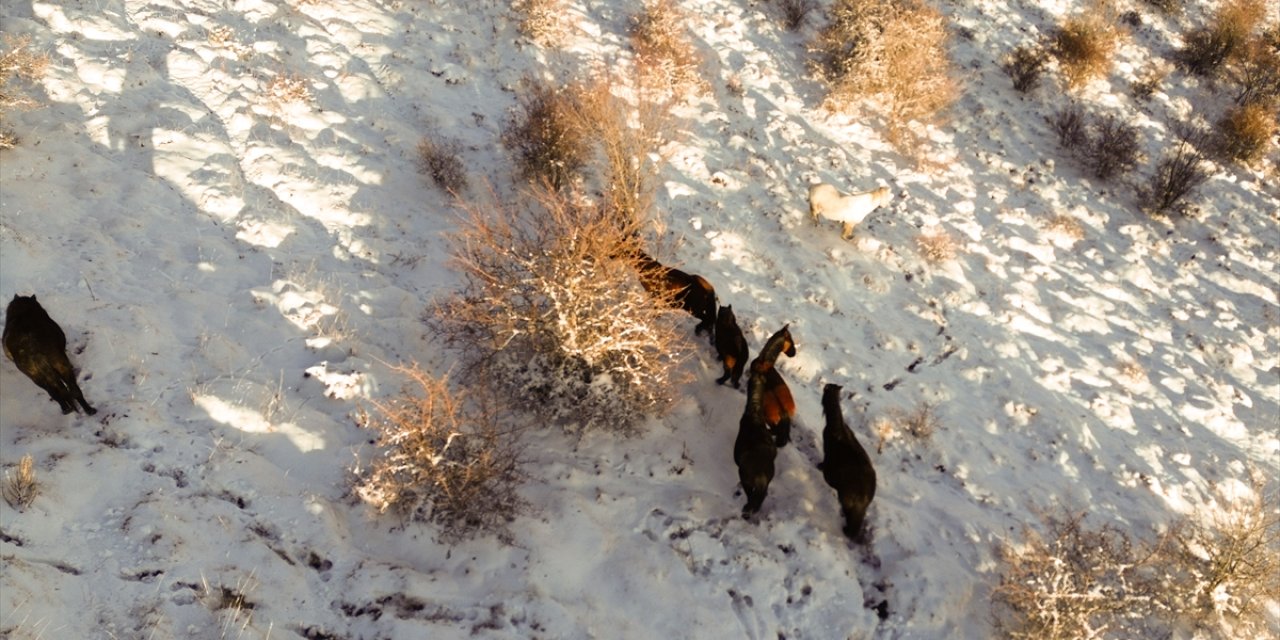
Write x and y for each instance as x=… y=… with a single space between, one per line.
x=769 y=353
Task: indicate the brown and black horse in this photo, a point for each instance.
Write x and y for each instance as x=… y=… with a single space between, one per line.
x=754 y=449
x=690 y=292
x=731 y=346
x=778 y=405
x=846 y=465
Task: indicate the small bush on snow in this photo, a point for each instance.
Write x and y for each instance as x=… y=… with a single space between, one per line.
x=795 y=12
x=438 y=159
x=1177 y=175
x=546 y=133
x=1084 y=44
x=21 y=487
x=1205 y=49
x=1024 y=65
x=1255 y=70
x=542 y=21
x=442 y=458
x=665 y=56
x=1245 y=132
x=1107 y=145
x=552 y=319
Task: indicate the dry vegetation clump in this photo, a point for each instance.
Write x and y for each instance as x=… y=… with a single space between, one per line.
x=893 y=52
x=795 y=12
x=438 y=159
x=1024 y=65
x=1065 y=226
x=1084 y=44
x=546 y=134
x=21 y=487
x=18 y=63
x=1245 y=132
x=1168 y=7
x=1205 y=49
x=551 y=316
x=1148 y=81
x=665 y=57
x=1255 y=70
x=937 y=247
x=443 y=457
x=1224 y=563
x=1177 y=175
x=542 y=21
x=1069 y=124
x=1075 y=582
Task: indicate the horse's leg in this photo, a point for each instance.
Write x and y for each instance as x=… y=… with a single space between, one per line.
x=847 y=232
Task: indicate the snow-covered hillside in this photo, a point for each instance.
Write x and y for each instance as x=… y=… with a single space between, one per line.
x=219 y=201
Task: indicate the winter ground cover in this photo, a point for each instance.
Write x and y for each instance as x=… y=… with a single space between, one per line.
x=220 y=203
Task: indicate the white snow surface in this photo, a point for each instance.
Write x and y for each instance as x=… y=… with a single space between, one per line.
x=237 y=271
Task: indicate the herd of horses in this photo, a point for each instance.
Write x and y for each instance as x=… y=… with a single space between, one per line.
x=766 y=420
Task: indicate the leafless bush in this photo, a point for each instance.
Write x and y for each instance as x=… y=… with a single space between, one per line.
x=438 y=159
x=1084 y=44
x=1178 y=174
x=444 y=457
x=1205 y=49
x=665 y=56
x=1112 y=147
x=1245 y=132
x=542 y=21
x=1168 y=7
x=18 y=63
x=795 y=12
x=1148 y=82
x=1024 y=65
x=1076 y=582
x=1069 y=124
x=1223 y=565
x=21 y=487
x=551 y=316
x=893 y=52
x=1065 y=226
x=546 y=135
x=1108 y=146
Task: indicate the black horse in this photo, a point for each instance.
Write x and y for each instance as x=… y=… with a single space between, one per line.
x=754 y=450
x=36 y=344
x=846 y=465
x=731 y=345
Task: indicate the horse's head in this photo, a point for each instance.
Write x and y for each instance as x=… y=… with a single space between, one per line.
x=788 y=345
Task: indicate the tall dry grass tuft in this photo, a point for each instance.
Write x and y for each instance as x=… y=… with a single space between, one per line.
x=19 y=63
x=551 y=317
x=21 y=487
x=892 y=52
x=1247 y=131
x=545 y=22
x=1085 y=43
x=443 y=457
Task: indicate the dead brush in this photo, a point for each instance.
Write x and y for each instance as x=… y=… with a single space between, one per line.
x=1206 y=48
x=936 y=247
x=665 y=57
x=438 y=158
x=21 y=486
x=1177 y=175
x=1085 y=43
x=893 y=53
x=1025 y=65
x=1065 y=226
x=443 y=457
x=19 y=63
x=546 y=134
x=542 y=21
x=1245 y=132
x=1223 y=562
x=1255 y=70
x=552 y=317
x=795 y=12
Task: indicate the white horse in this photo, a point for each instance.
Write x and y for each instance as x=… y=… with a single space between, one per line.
x=826 y=201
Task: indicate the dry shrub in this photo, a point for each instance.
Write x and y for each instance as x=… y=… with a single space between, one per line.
x=1205 y=49
x=546 y=134
x=444 y=457
x=893 y=52
x=1245 y=132
x=542 y=21
x=286 y=88
x=21 y=487
x=1024 y=65
x=1107 y=145
x=1075 y=582
x=919 y=423
x=1070 y=124
x=18 y=63
x=438 y=159
x=795 y=12
x=1148 y=82
x=1065 y=226
x=1255 y=70
x=1177 y=175
x=665 y=57
x=1085 y=43
x=1168 y=7
x=936 y=247
x=1224 y=563
x=551 y=317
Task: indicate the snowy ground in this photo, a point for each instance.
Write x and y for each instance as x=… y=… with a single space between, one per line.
x=234 y=269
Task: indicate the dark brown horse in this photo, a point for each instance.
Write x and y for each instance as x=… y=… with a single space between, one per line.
x=754 y=450
x=846 y=465
x=36 y=344
x=689 y=292
x=731 y=345
x=779 y=406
